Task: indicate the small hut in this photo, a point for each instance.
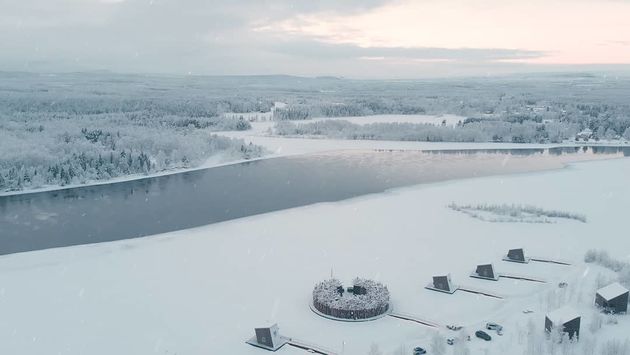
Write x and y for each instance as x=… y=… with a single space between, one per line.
x=442 y=283
x=584 y=135
x=486 y=272
x=517 y=256
x=566 y=318
x=612 y=298
x=268 y=338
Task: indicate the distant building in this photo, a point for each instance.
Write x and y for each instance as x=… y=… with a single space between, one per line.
x=584 y=135
x=612 y=298
x=268 y=338
x=566 y=318
x=485 y=271
x=516 y=255
x=539 y=109
x=443 y=284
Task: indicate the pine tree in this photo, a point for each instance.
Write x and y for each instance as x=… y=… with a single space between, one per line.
x=375 y=350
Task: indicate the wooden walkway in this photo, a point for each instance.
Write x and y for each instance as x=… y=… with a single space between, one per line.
x=550 y=261
x=415 y=319
x=316 y=349
x=521 y=277
x=479 y=292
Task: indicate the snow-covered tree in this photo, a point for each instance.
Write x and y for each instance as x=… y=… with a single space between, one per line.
x=535 y=339
x=375 y=350
x=615 y=347
x=438 y=344
x=588 y=345
x=461 y=347
x=596 y=322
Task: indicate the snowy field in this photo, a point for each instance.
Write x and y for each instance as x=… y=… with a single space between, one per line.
x=260 y=134
x=202 y=291
x=449 y=120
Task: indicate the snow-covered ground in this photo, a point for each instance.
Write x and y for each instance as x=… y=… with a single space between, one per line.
x=201 y=291
x=449 y=120
x=261 y=134
x=283 y=146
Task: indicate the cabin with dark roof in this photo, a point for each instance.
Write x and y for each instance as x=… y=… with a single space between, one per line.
x=517 y=256
x=486 y=272
x=442 y=283
x=268 y=338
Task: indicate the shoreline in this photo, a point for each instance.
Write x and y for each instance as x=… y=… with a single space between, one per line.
x=391 y=191
x=361 y=198
x=328 y=145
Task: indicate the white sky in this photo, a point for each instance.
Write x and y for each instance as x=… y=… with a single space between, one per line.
x=369 y=38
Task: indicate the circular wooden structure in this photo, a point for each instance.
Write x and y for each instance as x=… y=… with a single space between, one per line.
x=365 y=300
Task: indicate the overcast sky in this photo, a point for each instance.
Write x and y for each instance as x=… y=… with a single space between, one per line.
x=352 y=38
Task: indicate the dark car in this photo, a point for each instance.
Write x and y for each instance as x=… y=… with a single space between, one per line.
x=419 y=351
x=483 y=335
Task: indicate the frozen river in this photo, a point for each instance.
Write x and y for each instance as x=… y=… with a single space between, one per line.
x=166 y=203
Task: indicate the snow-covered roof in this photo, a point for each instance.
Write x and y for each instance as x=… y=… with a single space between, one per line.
x=611 y=291
x=562 y=315
x=268 y=325
x=326 y=293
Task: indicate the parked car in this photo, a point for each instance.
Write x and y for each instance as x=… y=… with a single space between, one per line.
x=494 y=326
x=483 y=335
x=419 y=351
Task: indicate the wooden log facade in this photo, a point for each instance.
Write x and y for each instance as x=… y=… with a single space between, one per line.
x=350 y=314
x=366 y=299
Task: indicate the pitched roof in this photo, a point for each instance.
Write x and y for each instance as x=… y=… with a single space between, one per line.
x=562 y=315
x=611 y=291
x=268 y=326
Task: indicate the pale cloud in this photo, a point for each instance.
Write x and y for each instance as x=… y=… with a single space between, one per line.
x=371 y=58
x=24 y=15
x=568 y=31
x=324 y=49
x=376 y=38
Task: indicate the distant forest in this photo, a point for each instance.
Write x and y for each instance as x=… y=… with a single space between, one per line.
x=73 y=128
x=542 y=109
x=61 y=131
